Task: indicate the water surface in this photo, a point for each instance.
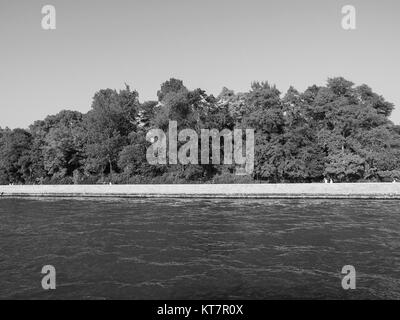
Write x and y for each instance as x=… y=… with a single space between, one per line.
x=199 y=249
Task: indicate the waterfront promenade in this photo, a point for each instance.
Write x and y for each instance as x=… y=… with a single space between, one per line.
x=265 y=191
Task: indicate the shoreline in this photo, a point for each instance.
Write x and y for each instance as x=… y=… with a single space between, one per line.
x=229 y=191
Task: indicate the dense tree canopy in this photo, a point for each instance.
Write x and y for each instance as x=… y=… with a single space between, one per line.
x=339 y=131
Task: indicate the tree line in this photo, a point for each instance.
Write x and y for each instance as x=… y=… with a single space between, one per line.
x=338 y=131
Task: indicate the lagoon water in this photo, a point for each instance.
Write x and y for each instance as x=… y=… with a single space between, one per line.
x=199 y=249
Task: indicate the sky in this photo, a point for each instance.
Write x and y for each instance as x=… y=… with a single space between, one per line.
x=208 y=44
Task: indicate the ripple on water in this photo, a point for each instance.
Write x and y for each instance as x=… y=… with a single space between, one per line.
x=194 y=249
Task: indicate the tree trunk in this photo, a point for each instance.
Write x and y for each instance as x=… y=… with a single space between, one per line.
x=111 y=171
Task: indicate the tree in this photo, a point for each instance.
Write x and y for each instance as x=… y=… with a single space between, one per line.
x=339 y=131
x=114 y=115
x=14 y=156
x=171 y=86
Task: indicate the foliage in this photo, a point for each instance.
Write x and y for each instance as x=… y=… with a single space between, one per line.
x=339 y=131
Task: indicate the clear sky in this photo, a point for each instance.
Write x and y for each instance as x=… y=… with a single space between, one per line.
x=208 y=44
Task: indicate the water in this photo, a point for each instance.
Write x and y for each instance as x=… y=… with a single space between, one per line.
x=199 y=249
